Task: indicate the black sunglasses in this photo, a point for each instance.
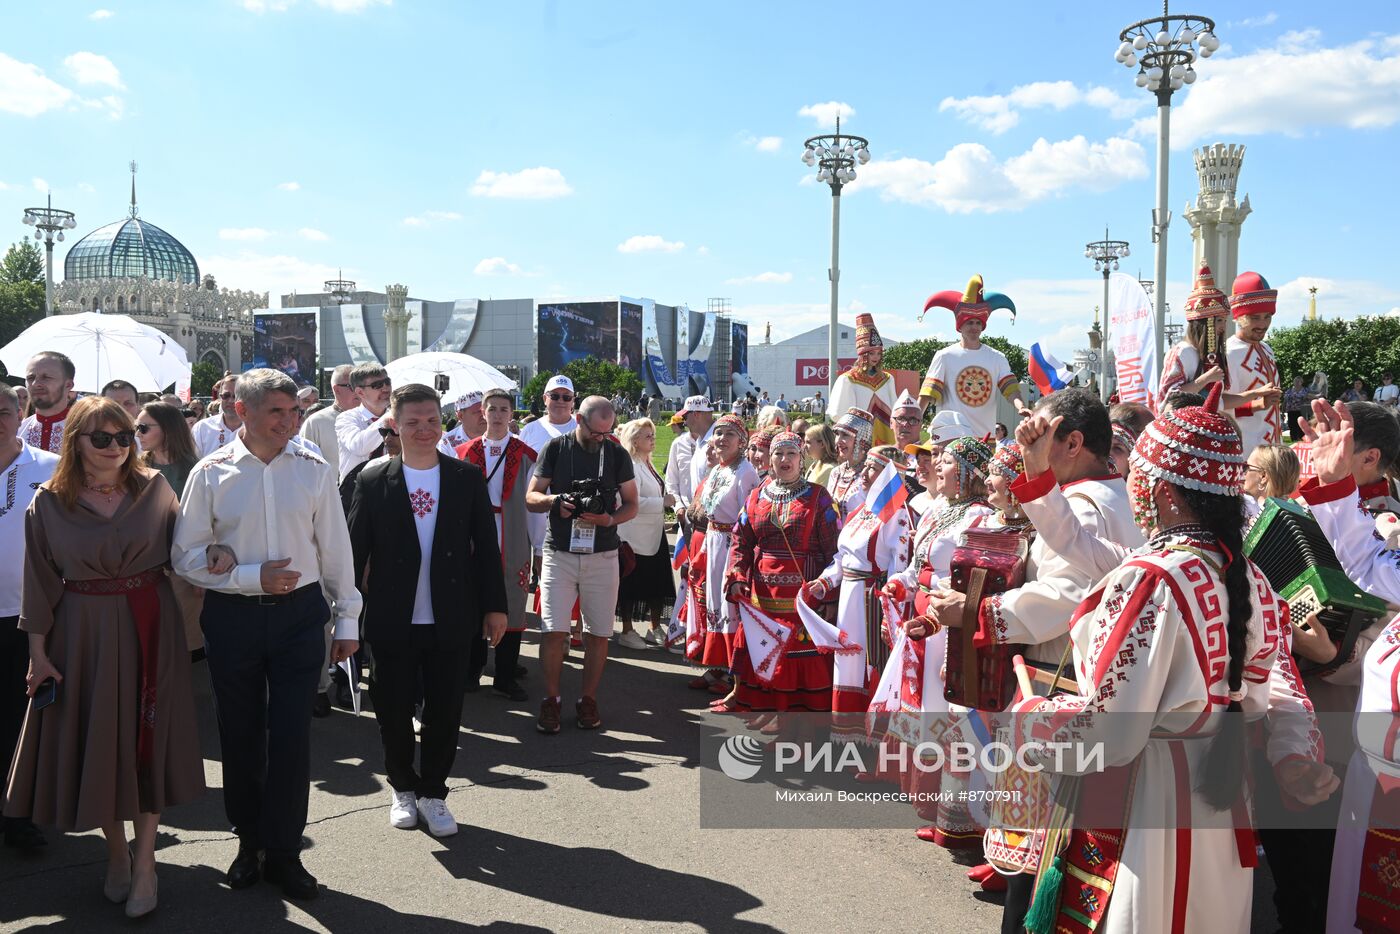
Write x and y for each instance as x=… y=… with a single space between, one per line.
x=141 y=429
x=341 y=386
x=377 y=384
x=561 y=397
x=104 y=439
x=388 y=433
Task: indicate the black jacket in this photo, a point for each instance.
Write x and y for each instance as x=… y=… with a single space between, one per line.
x=465 y=574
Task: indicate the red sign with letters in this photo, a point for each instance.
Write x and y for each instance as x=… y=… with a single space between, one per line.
x=811 y=371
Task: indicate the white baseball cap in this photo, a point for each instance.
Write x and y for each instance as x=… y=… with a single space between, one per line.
x=949 y=425
x=696 y=404
x=559 y=382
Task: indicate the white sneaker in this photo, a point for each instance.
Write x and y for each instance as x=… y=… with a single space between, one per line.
x=653 y=638
x=439 y=819
x=630 y=640
x=403 y=810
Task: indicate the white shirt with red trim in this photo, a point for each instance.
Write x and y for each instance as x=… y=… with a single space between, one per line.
x=968 y=382
x=44 y=433
x=1252 y=365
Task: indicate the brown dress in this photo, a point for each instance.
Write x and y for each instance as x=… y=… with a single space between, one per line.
x=76 y=765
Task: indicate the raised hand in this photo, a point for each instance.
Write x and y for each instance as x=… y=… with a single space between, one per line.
x=1036 y=436
x=1332 y=442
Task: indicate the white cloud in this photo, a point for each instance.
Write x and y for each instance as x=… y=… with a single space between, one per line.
x=969 y=178
x=764 y=143
x=765 y=278
x=91 y=68
x=273 y=274
x=535 y=184
x=496 y=266
x=1336 y=298
x=267 y=6
x=244 y=233
x=101 y=15
x=826 y=114
x=792 y=318
x=311 y=233
x=702 y=251
x=85 y=187
x=428 y=217
x=1294 y=88
x=289 y=186
x=649 y=243
x=351 y=6
x=1268 y=19
x=4 y=187
x=25 y=89
x=40 y=185
x=998 y=113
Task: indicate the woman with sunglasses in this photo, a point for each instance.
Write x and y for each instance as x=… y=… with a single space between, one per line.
x=118 y=743
x=167 y=447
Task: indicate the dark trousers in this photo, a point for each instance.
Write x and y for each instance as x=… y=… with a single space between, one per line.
x=1020 y=889
x=14 y=702
x=1294 y=432
x=265 y=662
x=401 y=671
x=1300 y=860
x=507 y=657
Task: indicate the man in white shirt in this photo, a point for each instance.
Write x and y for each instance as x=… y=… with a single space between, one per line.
x=422 y=523
x=275 y=505
x=471 y=422
x=357 y=431
x=966 y=377
x=1250 y=361
x=218 y=430
x=22 y=469
x=319 y=427
x=681 y=476
x=558 y=420
x=1387 y=393
x=49 y=379
x=301 y=439
x=123 y=394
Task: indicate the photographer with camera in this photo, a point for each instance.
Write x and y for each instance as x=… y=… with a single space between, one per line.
x=584 y=481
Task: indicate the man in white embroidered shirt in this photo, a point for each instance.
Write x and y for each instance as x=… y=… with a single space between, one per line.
x=217 y=430
x=275 y=505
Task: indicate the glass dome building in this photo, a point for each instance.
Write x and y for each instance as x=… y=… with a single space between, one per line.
x=131 y=247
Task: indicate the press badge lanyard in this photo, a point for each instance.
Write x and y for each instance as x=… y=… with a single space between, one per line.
x=583 y=535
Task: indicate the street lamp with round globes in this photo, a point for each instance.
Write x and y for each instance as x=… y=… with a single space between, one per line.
x=49 y=223
x=836 y=156
x=1166 y=47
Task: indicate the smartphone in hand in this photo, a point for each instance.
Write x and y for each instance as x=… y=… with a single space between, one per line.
x=46 y=694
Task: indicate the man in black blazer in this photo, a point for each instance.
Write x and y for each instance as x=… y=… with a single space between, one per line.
x=423 y=525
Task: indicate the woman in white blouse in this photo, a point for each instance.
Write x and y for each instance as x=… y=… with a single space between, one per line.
x=650 y=588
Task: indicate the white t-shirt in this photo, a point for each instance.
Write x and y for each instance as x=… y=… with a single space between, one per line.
x=424 y=488
x=18 y=482
x=968 y=382
x=1387 y=395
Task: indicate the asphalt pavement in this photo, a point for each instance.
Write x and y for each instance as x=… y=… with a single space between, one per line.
x=583 y=831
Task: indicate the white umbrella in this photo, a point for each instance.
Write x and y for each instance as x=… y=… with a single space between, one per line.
x=464 y=373
x=103 y=348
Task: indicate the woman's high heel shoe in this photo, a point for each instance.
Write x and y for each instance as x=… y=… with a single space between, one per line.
x=137 y=906
x=116 y=888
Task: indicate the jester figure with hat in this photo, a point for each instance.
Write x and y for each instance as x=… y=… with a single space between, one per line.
x=1250 y=367
x=1184 y=627
x=865 y=386
x=1199 y=359
x=967 y=376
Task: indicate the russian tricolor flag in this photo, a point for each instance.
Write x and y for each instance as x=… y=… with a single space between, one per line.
x=887 y=494
x=1047 y=373
x=678 y=557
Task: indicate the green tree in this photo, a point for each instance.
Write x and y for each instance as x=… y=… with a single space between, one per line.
x=916 y=355
x=591 y=377
x=22 y=263
x=1346 y=350
x=202 y=376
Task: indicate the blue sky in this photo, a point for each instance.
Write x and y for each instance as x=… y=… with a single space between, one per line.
x=581 y=149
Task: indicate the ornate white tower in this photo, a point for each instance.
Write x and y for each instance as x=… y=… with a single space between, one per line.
x=395 y=323
x=1216 y=218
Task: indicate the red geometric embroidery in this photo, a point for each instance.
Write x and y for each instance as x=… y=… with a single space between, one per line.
x=422 y=502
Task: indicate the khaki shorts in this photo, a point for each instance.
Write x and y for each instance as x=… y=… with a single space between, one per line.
x=591 y=580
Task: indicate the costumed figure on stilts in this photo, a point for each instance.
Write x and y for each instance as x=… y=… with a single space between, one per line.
x=967 y=376
x=865 y=385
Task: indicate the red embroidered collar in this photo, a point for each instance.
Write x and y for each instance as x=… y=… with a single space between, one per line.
x=52 y=419
x=1373 y=490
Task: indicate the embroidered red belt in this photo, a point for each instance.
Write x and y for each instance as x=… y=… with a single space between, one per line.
x=143 y=600
x=849 y=575
x=723 y=527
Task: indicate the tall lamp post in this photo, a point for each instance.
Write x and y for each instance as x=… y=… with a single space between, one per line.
x=1163 y=49
x=49 y=223
x=1105 y=253
x=835 y=155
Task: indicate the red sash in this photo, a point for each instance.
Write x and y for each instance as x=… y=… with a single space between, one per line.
x=143 y=600
x=1378 y=895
